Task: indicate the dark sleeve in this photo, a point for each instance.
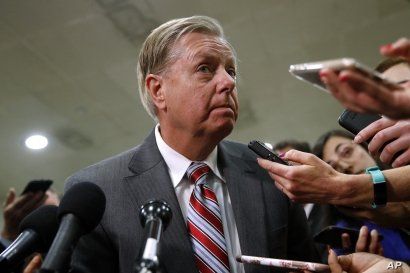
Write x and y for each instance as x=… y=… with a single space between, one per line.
x=300 y=243
x=94 y=253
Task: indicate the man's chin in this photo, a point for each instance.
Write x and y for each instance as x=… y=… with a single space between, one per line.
x=223 y=129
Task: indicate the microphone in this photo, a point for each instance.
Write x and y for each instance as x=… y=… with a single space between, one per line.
x=37 y=232
x=155 y=217
x=80 y=211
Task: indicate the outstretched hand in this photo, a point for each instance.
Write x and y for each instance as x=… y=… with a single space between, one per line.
x=16 y=208
x=389 y=138
x=400 y=48
x=312 y=180
x=362 y=262
x=361 y=94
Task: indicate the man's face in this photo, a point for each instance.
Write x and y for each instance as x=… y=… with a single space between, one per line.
x=199 y=87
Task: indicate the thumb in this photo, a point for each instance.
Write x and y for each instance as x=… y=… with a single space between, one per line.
x=333 y=262
x=11 y=195
x=301 y=157
x=34 y=264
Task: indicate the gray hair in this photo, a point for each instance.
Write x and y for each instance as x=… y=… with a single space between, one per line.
x=155 y=53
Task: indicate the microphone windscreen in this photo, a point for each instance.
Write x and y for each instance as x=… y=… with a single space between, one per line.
x=86 y=201
x=44 y=222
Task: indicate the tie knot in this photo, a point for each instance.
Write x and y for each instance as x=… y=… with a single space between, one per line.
x=197 y=171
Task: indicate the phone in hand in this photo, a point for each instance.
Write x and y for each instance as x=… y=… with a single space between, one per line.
x=263 y=151
x=355 y=122
x=309 y=72
x=37 y=185
x=332 y=236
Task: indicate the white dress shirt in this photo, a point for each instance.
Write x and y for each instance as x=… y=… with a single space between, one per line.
x=177 y=166
x=308 y=209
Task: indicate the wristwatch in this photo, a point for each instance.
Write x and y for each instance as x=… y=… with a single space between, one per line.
x=379 y=186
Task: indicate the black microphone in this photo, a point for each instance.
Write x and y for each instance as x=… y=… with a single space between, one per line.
x=155 y=217
x=37 y=232
x=80 y=211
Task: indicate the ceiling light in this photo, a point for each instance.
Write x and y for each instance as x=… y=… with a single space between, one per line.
x=36 y=142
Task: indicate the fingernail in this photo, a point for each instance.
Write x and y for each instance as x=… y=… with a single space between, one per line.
x=324 y=79
x=358 y=139
x=281 y=155
x=343 y=78
x=386 y=47
x=362 y=228
x=323 y=73
x=396 y=164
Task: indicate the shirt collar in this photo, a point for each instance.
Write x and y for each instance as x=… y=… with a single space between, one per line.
x=178 y=164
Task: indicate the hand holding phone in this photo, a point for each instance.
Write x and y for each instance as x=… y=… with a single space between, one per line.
x=332 y=236
x=355 y=122
x=263 y=151
x=309 y=72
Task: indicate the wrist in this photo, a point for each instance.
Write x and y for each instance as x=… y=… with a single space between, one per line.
x=355 y=190
x=379 y=186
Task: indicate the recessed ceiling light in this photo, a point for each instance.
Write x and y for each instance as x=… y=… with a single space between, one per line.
x=36 y=142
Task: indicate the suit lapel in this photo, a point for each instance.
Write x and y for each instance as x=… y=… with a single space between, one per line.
x=246 y=195
x=152 y=181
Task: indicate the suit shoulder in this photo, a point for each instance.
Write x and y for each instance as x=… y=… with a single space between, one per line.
x=108 y=169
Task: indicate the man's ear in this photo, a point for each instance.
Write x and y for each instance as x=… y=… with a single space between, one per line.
x=155 y=88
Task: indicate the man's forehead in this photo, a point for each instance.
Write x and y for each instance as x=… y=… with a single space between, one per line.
x=199 y=45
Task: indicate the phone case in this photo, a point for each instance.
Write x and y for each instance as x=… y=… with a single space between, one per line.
x=37 y=185
x=332 y=235
x=355 y=122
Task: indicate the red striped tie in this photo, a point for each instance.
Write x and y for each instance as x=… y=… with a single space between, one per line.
x=205 y=224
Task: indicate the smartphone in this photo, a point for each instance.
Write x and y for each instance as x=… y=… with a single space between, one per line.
x=263 y=151
x=355 y=122
x=309 y=72
x=332 y=235
x=37 y=185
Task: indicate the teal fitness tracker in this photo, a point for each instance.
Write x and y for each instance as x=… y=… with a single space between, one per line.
x=379 y=186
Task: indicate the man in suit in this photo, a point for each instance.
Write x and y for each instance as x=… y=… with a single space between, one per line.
x=187 y=80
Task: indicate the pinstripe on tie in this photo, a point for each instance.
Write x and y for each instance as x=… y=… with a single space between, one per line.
x=205 y=224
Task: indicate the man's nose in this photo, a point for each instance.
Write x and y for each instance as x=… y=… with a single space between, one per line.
x=226 y=82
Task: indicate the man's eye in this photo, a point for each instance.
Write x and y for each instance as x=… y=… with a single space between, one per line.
x=232 y=73
x=204 y=68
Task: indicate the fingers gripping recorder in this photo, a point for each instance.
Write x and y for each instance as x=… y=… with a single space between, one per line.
x=260 y=149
